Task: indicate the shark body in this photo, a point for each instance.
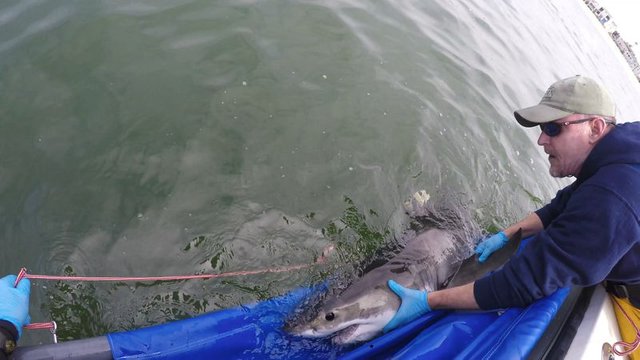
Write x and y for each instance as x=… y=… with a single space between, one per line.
x=434 y=259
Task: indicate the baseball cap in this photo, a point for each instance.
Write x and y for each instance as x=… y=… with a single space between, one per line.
x=574 y=95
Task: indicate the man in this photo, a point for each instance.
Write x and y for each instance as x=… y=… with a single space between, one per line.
x=589 y=233
x=14 y=312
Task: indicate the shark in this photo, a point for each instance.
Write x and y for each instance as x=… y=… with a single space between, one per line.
x=433 y=259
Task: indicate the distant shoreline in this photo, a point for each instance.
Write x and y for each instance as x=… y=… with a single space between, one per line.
x=606 y=21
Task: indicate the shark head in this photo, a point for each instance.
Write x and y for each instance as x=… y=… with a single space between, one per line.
x=353 y=320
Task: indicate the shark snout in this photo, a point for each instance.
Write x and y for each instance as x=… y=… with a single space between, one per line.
x=301 y=330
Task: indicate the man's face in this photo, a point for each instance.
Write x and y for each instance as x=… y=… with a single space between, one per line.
x=569 y=149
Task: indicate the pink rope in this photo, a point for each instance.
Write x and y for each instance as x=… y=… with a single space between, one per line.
x=166 y=278
x=627 y=348
x=52 y=325
x=163 y=278
x=23 y=274
x=40 y=326
x=34 y=326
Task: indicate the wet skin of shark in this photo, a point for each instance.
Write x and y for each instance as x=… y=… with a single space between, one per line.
x=433 y=260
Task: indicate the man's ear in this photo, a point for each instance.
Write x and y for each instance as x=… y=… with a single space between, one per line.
x=598 y=129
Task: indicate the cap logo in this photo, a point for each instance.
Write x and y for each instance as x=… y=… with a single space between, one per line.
x=549 y=94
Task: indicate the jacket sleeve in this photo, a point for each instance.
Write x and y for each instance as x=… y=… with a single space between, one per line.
x=580 y=246
x=555 y=207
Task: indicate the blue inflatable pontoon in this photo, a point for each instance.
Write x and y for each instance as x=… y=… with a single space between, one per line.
x=255 y=332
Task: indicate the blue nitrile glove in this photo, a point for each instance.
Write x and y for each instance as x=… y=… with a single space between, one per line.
x=413 y=305
x=14 y=302
x=490 y=245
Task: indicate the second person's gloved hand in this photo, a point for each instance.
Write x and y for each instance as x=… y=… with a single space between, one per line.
x=491 y=245
x=413 y=305
x=14 y=302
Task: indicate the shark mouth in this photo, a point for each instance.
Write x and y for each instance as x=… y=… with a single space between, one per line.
x=343 y=336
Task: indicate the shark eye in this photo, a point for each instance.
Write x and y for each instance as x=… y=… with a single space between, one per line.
x=330 y=316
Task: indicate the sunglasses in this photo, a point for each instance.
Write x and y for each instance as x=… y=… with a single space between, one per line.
x=555 y=128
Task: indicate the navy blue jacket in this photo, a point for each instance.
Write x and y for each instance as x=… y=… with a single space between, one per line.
x=591 y=230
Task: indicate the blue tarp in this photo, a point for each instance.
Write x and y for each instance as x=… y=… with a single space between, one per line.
x=255 y=332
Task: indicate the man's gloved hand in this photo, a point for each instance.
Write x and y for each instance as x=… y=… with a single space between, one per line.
x=413 y=305
x=14 y=302
x=490 y=245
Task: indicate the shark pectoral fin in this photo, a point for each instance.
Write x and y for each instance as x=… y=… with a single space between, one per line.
x=471 y=269
x=514 y=243
x=448 y=280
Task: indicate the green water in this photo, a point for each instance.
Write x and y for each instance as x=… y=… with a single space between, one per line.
x=176 y=137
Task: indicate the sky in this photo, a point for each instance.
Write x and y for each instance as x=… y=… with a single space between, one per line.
x=626 y=14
